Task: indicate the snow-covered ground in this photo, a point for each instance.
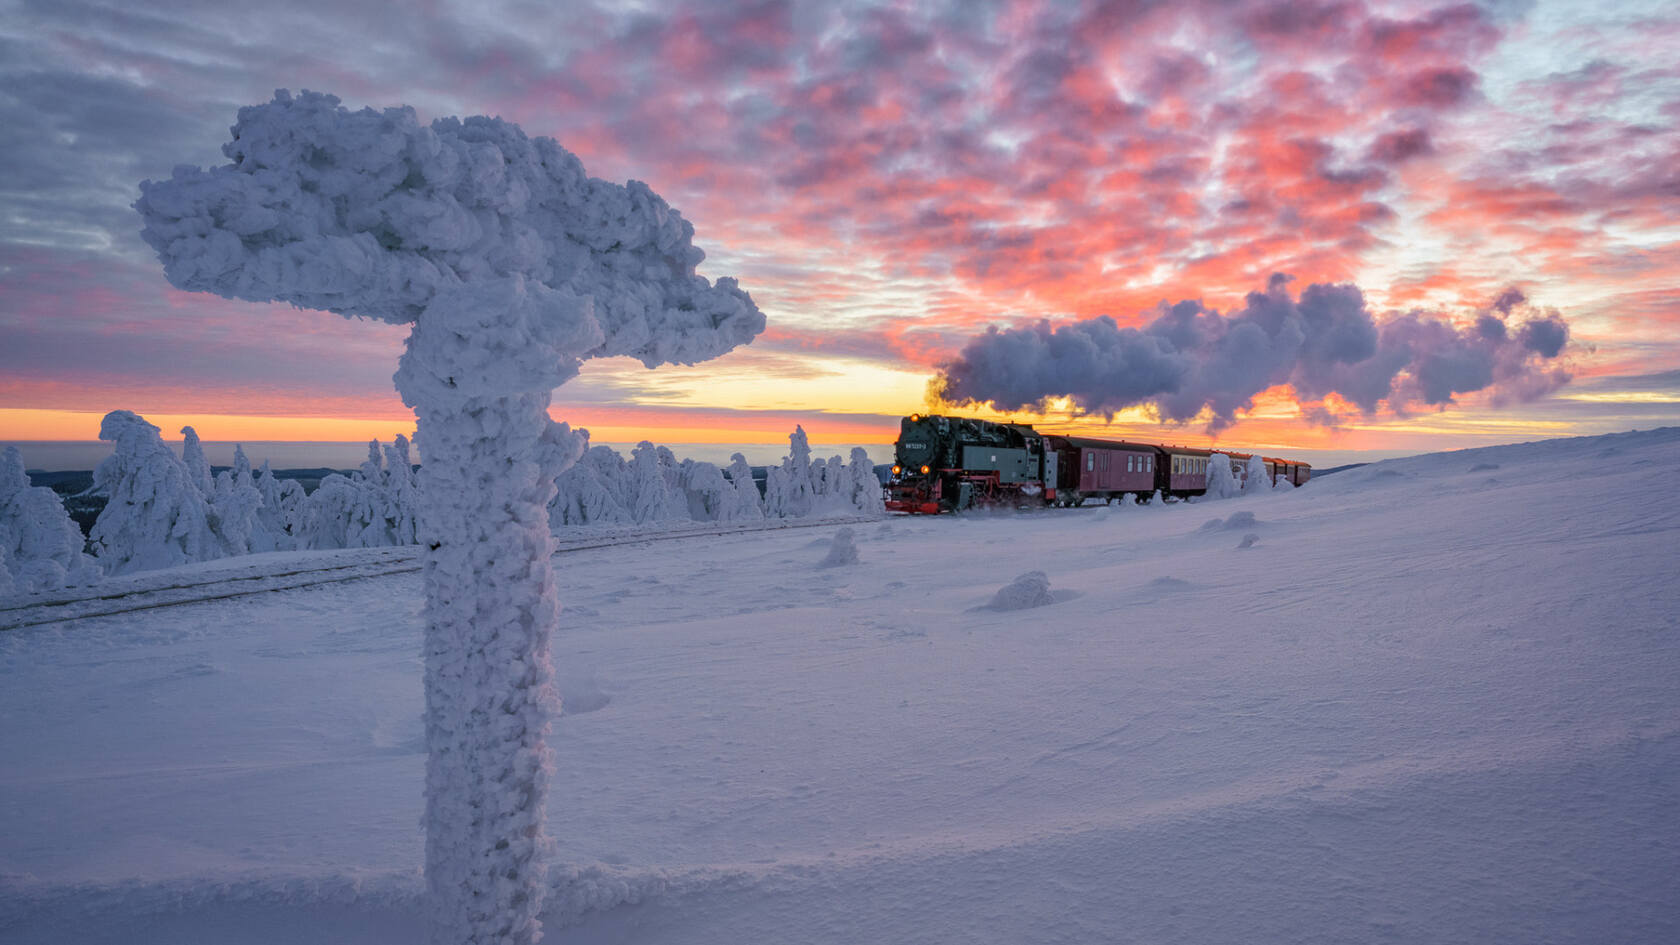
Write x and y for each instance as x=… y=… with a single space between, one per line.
x=1434 y=700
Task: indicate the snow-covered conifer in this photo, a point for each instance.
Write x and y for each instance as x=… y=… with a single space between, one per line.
x=777 y=491
x=268 y=531
x=373 y=468
x=43 y=548
x=707 y=493
x=198 y=466
x=1255 y=478
x=1221 y=484
x=155 y=516
x=654 y=500
x=863 y=488
x=401 y=495
x=590 y=492
x=234 y=504
x=748 y=504
x=796 y=469
x=343 y=512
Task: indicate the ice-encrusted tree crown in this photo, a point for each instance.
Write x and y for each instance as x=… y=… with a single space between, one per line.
x=370 y=213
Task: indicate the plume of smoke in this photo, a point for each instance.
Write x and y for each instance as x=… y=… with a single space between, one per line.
x=1192 y=359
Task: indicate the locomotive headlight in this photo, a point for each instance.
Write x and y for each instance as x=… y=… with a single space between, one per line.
x=897 y=469
x=915 y=418
x=924 y=470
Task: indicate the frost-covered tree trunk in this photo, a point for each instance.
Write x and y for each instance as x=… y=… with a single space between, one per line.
x=490 y=457
x=491 y=608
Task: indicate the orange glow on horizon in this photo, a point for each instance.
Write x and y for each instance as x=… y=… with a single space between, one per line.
x=610 y=424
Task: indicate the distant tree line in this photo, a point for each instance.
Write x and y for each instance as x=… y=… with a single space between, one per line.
x=159 y=510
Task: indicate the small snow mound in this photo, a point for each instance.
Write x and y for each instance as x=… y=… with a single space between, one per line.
x=1029 y=590
x=1241 y=520
x=1235 y=521
x=842 y=550
x=1484 y=467
x=1169 y=584
x=1248 y=541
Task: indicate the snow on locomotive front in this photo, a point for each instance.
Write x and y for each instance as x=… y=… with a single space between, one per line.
x=946 y=464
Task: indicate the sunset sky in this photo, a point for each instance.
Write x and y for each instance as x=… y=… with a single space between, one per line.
x=887 y=180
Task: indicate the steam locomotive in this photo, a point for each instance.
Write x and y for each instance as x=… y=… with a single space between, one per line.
x=946 y=464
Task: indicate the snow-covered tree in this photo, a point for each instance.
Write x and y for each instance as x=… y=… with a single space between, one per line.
x=198 y=466
x=1255 y=478
x=402 y=496
x=863 y=488
x=777 y=492
x=707 y=493
x=590 y=492
x=512 y=266
x=41 y=546
x=269 y=531
x=747 y=504
x=154 y=516
x=1221 y=484
x=653 y=498
x=799 y=496
x=234 y=505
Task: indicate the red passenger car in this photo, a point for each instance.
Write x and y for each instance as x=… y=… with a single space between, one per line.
x=1102 y=469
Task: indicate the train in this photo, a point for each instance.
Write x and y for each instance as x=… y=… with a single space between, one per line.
x=947 y=464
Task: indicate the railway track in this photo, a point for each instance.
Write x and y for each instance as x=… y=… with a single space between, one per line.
x=262 y=574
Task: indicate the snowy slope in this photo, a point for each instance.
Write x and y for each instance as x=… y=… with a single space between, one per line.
x=1436 y=700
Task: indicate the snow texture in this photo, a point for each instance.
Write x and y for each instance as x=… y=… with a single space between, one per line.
x=842 y=549
x=1427 y=709
x=1255 y=478
x=1192 y=359
x=155 y=515
x=40 y=547
x=1031 y=589
x=512 y=266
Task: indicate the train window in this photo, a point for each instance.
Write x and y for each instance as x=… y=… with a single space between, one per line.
x=1090 y=461
x=1129 y=460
